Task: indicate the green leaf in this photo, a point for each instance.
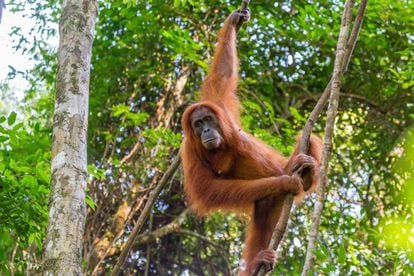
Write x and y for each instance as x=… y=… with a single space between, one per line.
x=137 y=118
x=13 y=164
x=23 y=169
x=342 y=254
x=90 y=202
x=43 y=171
x=394 y=72
x=295 y=113
x=2 y=129
x=12 y=118
x=96 y=172
x=31 y=238
x=2 y=119
x=16 y=127
x=120 y=109
x=29 y=181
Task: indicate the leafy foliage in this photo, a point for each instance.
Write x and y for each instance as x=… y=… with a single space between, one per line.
x=143 y=52
x=24 y=190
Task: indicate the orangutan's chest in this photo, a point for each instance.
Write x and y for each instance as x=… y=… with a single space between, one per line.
x=242 y=167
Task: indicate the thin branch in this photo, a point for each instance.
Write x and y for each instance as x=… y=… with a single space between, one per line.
x=141 y=220
x=198 y=236
x=245 y=4
x=137 y=206
x=12 y=267
x=339 y=67
x=263 y=106
x=148 y=258
x=280 y=228
x=171 y=227
x=355 y=33
x=307 y=129
x=134 y=150
x=362 y=99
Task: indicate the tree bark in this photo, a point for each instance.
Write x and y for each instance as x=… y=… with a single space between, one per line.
x=63 y=244
x=340 y=63
x=171 y=227
x=280 y=228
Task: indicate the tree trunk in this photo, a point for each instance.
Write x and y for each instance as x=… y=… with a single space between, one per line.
x=63 y=245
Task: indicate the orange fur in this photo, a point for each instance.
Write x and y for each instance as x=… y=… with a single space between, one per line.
x=244 y=174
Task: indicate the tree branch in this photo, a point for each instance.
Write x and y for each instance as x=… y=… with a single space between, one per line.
x=341 y=64
x=245 y=4
x=173 y=226
x=140 y=222
x=359 y=98
x=344 y=53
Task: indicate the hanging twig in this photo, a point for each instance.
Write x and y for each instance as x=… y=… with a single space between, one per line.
x=148 y=205
x=280 y=228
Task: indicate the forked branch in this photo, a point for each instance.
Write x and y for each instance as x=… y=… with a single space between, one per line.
x=344 y=52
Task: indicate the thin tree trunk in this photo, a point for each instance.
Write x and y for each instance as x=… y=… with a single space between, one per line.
x=329 y=130
x=63 y=245
x=280 y=229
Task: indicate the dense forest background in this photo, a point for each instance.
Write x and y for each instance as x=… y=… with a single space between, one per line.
x=149 y=58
